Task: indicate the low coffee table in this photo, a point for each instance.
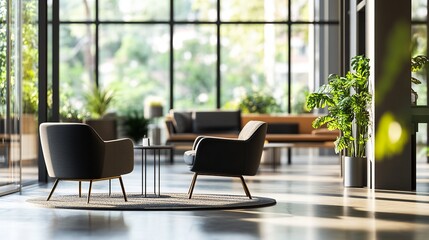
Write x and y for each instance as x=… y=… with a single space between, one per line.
x=156 y=158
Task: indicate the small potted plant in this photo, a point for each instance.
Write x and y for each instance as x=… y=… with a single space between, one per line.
x=417 y=63
x=153 y=109
x=347 y=99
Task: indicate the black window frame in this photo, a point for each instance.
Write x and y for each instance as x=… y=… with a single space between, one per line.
x=56 y=22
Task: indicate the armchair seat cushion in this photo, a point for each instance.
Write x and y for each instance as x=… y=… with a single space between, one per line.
x=189 y=157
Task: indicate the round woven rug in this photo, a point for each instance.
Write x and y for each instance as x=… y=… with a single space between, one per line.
x=173 y=201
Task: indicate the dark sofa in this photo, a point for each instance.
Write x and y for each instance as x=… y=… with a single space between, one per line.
x=184 y=126
x=293 y=130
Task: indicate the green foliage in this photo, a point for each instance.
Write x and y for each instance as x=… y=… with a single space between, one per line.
x=68 y=113
x=258 y=102
x=3 y=48
x=299 y=99
x=417 y=63
x=194 y=76
x=98 y=101
x=346 y=99
x=134 y=58
x=30 y=56
x=140 y=64
x=135 y=125
x=241 y=58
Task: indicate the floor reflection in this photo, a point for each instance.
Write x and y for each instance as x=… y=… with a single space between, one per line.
x=90 y=222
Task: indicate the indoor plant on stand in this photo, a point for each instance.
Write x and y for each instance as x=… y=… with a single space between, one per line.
x=347 y=99
x=135 y=126
x=417 y=63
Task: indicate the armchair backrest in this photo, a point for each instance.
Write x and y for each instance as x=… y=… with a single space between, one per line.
x=250 y=129
x=254 y=134
x=72 y=150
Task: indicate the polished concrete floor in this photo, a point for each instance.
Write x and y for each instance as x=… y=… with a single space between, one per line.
x=311 y=204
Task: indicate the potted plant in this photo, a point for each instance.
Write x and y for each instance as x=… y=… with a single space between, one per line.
x=153 y=107
x=347 y=99
x=417 y=63
x=258 y=102
x=98 y=101
x=135 y=125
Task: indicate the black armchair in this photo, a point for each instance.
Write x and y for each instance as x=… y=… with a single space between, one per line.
x=226 y=156
x=74 y=151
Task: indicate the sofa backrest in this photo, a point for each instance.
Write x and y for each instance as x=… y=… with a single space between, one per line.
x=218 y=121
x=285 y=122
x=283 y=128
x=182 y=122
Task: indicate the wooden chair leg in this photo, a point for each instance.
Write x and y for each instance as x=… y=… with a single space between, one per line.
x=123 y=189
x=80 y=188
x=192 y=182
x=53 y=189
x=191 y=188
x=89 y=191
x=246 y=190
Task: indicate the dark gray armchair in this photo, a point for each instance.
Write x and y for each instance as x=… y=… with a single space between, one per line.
x=226 y=156
x=74 y=151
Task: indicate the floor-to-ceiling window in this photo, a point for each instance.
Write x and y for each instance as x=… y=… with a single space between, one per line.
x=194 y=54
x=419 y=31
x=419 y=36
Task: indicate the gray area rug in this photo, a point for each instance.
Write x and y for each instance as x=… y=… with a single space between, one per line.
x=173 y=201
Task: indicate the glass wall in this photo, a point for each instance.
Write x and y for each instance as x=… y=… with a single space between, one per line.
x=19 y=94
x=195 y=54
x=10 y=75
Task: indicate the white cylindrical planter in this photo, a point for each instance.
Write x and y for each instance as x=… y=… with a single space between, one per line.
x=153 y=111
x=154 y=134
x=354 y=171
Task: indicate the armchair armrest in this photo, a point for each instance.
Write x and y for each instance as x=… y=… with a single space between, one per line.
x=119 y=157
x=199 y=138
